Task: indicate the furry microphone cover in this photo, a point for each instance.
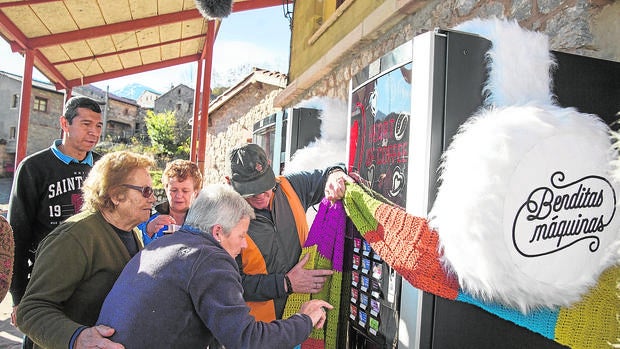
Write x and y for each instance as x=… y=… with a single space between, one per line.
x=214 y=8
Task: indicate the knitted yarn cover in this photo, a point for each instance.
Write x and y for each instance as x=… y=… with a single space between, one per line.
x=408 y=245
x=325 y=244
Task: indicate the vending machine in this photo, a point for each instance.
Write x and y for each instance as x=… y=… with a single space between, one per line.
x=281 y=134
x=404 y=109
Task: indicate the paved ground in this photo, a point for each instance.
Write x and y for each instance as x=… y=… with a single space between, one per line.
x=10 y=337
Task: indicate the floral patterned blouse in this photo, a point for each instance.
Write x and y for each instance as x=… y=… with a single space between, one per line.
x=7 y=247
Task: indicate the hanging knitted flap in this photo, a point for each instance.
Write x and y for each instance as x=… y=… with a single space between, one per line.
x=325 y=244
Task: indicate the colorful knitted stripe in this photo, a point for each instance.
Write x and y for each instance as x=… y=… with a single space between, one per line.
x=403 y=241
x=590 y=323
x=325 y=244
x=406 y=244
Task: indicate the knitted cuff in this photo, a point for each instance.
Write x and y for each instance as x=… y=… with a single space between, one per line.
x=360 y=207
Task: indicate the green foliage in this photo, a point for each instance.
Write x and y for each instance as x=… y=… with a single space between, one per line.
x=134 y=145
x=217 y=91
x=166 y=144
x=156 y=177
x=161 y=129
x=165 y=136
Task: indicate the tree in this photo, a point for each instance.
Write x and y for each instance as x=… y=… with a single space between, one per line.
x=162 y=131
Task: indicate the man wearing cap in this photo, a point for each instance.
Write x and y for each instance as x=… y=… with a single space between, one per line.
x=270 y=265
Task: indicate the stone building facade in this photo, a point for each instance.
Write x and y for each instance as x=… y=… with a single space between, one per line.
x=232 y=116
x=46 y=105
x=180 y=100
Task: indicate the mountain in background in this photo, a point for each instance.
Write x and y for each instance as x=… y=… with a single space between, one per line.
x=133 y=91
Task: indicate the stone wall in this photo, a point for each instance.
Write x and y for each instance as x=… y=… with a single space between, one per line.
x=232 y=124
x=589 y=28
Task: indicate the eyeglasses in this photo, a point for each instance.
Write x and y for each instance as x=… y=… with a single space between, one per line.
x=146 y=190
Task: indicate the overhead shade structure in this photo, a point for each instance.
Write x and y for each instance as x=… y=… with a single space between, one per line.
x=78 y=42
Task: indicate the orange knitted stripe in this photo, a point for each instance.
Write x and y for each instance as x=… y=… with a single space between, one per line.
x=411 y=248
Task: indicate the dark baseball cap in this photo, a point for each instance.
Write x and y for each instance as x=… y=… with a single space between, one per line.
x=251 y=171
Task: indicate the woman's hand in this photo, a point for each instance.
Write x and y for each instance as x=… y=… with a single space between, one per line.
x=316 y=310
x=159 y=222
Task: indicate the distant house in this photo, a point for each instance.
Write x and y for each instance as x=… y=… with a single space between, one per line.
x=147 y=99
x=46 y=106
x=121 y=115
x=180 y=100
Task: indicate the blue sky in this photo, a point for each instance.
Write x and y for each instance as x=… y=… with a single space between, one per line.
x=259 y=38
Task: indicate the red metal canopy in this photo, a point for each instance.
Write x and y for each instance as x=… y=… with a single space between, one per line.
x=77 y=42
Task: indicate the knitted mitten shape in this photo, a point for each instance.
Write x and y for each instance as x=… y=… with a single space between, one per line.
x=403 y=241
x=360 y=207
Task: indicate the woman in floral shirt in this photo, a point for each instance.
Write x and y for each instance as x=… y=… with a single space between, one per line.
x=6 y=256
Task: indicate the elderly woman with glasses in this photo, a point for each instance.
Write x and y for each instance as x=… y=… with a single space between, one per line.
x=79 y=261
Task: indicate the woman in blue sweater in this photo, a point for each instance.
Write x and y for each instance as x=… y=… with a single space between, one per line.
x=195 y=287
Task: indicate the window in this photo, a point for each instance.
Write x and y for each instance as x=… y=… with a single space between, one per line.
x=325 y=14
x=12 y=132
x=15 y=101
x=40 y=104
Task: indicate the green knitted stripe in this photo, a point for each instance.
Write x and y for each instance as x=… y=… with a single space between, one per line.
x=295 y=300
x=321 y=262
x=314 y=253
x=331 y=330
x=360 y=207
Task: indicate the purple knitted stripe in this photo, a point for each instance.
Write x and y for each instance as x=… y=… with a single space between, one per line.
x=327 y=232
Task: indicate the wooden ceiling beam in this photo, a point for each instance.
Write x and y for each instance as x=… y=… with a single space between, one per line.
x=254 y=4
x=24 y=3
x=133 y=70
x=19 y=44
x=17 y=37
x=110 y=29
x=120 y=52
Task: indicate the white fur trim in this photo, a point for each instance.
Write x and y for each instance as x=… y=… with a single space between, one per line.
x=519 y=63
x=329 y=148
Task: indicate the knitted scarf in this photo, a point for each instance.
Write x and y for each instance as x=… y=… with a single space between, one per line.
x=325 y=244
x=408 y=245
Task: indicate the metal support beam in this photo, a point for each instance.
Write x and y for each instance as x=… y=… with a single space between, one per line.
x=24 y=109
x=206 y=93
x=193 y=152
x=132 y=70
